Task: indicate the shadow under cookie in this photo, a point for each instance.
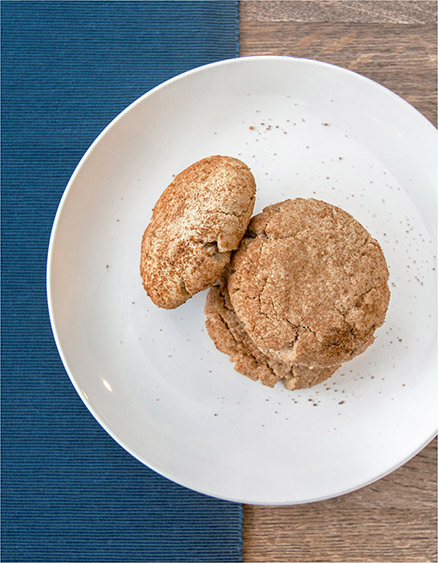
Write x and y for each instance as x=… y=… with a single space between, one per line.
x=230 y=337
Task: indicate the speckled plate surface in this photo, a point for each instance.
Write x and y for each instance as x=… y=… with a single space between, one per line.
x=154 y=380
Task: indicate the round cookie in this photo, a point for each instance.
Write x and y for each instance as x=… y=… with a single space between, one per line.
x=309 y=284
x=229 y=336
x=196 y=223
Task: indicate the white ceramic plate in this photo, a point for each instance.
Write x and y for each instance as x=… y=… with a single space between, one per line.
x=153 y=379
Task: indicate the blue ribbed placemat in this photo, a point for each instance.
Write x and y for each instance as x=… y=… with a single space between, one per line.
x=69 y=492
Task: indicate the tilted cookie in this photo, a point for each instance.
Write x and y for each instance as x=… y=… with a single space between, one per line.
x=196 y=223
x=309 y=284
x=230 y=337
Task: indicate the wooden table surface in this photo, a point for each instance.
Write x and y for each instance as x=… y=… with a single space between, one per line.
x=394 y=43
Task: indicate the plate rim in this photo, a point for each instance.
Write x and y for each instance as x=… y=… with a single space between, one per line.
x=49 y=267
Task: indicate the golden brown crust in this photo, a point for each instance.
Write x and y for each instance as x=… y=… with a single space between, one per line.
x=309 y=284
x=196 y=223
x=229 y=336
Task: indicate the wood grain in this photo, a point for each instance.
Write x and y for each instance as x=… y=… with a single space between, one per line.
x=401 y=56
x=394 y=43
x=383 y=11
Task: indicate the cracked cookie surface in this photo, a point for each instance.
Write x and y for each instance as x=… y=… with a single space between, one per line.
x=230 y=337
x=196 y=223
x=309 y=284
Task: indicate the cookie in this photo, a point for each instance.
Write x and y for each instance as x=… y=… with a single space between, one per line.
x=230 y=337
x=196 y=223
x=309 y=284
